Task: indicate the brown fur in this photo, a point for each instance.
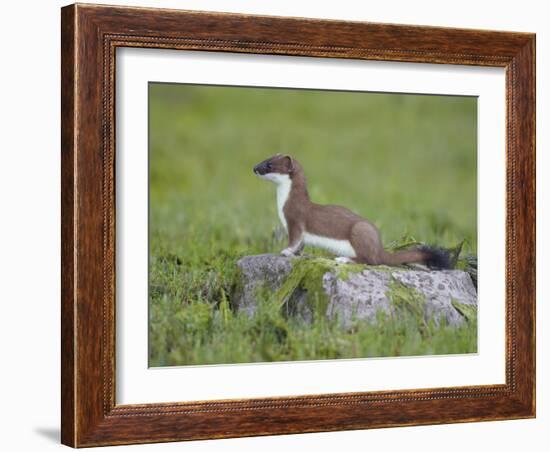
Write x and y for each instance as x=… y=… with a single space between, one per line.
x=330 y=221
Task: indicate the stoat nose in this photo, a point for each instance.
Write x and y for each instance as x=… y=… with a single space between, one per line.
x=257 y=169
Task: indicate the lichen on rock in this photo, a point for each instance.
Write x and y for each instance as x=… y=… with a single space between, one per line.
x=308 y=287
x=308 y=275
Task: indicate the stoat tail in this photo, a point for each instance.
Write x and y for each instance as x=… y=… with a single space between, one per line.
x=433 y=257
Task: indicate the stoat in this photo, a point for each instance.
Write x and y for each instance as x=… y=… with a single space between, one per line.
x=337 y=229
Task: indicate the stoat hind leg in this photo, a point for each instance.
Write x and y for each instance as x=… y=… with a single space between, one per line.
x=367 y=244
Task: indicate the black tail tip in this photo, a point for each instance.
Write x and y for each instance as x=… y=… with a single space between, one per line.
x=438 y=258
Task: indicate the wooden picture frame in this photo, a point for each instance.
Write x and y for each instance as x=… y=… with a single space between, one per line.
x=90 y=36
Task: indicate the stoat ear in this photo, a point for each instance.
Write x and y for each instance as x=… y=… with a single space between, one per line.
x=290 y=163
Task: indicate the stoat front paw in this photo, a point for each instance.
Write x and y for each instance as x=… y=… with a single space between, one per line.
x=287 y=252
x=343 y=260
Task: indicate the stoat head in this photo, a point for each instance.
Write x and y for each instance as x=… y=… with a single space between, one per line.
x=278 y=168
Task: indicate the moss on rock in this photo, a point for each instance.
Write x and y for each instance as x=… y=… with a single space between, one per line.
x=407 y=301
x=307 y=274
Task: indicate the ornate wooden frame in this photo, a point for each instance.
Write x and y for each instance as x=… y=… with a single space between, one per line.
x=90 y=35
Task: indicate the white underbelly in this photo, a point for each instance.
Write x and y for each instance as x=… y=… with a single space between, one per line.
x=339 y=247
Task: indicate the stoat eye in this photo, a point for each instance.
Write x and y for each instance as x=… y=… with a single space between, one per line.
x=268 y=166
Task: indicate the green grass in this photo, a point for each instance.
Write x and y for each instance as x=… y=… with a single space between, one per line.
x=406 y=162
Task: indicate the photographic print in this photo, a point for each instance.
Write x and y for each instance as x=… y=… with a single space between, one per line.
x=286 y=215
x=294 y=225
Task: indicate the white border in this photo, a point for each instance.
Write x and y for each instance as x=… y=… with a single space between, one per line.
x=135 y=383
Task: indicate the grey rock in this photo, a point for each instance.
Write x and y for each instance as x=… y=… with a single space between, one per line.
x=359 y=295
x=264 y=271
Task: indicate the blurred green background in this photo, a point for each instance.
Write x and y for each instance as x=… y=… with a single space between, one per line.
x=405 y=162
